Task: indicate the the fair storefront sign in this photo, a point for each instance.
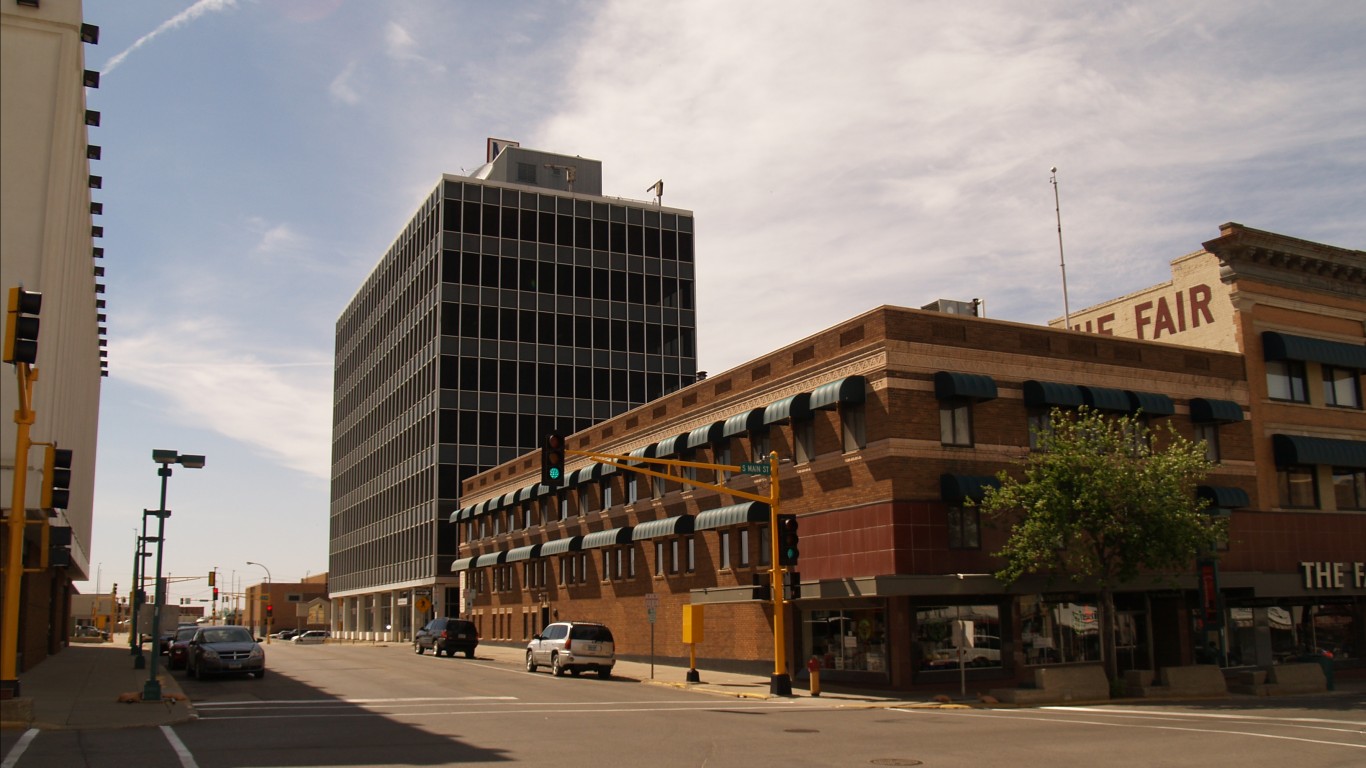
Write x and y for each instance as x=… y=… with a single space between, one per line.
x=1329 y=575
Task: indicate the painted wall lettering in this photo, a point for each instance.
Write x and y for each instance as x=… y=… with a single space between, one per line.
x=1169 y=317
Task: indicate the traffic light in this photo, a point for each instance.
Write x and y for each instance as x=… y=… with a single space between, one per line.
x=21 y=326
x=270 y=610
x=215 y=594
x=787 y=540
x=552 y=460
x=213 y=580
x=59 y=546
x=56 y=493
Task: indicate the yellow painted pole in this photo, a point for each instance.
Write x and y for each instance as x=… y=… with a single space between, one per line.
x=14 y=560
x=781 y=684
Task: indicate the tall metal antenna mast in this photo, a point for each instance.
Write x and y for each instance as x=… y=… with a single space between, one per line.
x=1062 y=262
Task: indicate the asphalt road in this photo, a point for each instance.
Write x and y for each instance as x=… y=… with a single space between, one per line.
x=342 y=705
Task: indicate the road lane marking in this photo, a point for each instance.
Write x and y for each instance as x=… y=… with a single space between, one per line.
x=243 y=702
x=181 y=751
x=12 y=758
x=1210 y=715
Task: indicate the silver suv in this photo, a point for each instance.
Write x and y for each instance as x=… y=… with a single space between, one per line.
x=572 y=646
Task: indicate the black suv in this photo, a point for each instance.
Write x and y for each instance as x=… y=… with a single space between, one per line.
x=449 y=635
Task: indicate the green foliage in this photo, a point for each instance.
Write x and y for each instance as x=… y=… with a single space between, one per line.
x=1102 y=500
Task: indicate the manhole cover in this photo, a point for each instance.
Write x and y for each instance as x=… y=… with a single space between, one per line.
x=895 y=761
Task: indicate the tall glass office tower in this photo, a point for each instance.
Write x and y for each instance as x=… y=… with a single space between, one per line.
x=517 y=300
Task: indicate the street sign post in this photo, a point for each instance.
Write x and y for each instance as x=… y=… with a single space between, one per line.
x=754 y=467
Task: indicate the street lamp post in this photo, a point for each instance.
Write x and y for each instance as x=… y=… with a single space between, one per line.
x=152 y=691
x=268 y=602
x=134 y=595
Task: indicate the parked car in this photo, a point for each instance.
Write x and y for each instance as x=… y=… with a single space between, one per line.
x=572 y=646
x=224 y=650
x=180 y=647
x=447 y=636
x=167 y=635
x=287 y=634
x=311 y=637
x=86 y=630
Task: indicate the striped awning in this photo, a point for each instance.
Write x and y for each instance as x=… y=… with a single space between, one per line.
x=1283 y=346
x=735 y=514
x=1105 y=399
x=523 y=553
x=463 y=564
x=492 y=558
x=967 y=386
x=525 y=494
x=1298 y=449
x=797 y=407
x=706 y=435
x=847 y=391
x=1151 y=403
x=669 y=526
x=670 y=446
x=749 y=421
x=643 y=452
x=955 y=489
x=561 y=546
x=1223 y=496
x=461 y=515
x=1051 y=394
x=1206 y=410
x=608 y=538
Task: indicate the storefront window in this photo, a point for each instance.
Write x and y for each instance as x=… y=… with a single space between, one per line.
x=1059 y=632
x=1289 y=632
x=854 y=640
x=941 y=630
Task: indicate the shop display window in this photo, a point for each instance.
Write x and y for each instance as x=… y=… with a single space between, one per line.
x=942 y=631
x=1057 y=632
x=853 y=640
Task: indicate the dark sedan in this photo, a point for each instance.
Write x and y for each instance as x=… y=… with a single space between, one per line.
x=180 y=647
x=224 y=650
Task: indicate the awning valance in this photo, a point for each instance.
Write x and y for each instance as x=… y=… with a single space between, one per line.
x=608 y=538
x=524 y=494
x=706 y=435
x=463 y=514
x=463 y=564
x=749 y=421
x=1283 y=346
x=670 y=446
x=847 y=391
x=1207 y=410
x=1105 y=399
x=561 y=546
x=955 y=489
x=967 y=386
x=1298 y=449
x=1051 y=394
x=669 y=526
x=643 y=452
x=492 y=558
x=795 y=407
x=1151 y=403
x=523 y=553
x=1223 y=496
x=735 y=514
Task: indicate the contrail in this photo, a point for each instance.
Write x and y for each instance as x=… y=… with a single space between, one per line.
x=186 y=16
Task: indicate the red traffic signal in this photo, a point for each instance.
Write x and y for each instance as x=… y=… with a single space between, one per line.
x=552 y=460
x=215 y=594
x=270 y=610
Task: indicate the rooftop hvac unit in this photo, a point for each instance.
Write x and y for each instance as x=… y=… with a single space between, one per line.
x=951 y=307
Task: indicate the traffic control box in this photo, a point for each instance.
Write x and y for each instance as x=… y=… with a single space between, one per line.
x=692 y=624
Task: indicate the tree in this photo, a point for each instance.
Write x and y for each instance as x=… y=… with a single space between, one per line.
x=1102 y=501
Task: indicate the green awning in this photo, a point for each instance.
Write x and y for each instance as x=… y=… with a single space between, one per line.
x=847 y=391
x=524 y=494
x=1206 y=410
x=1105 y=399
x=955 y=489
x=601 y=470
x=1050 y=394
x=523 y=553
x=796 y=407
x=463 y=564
x=1151 y=403
x=669 y=526
x=1223 y=496
x=492 y=558
x=670 y=446
x=1283 y=346
x=643 y=452
x=749 y=421
x=461 y=515
x=965 y=386
x=706 y=435
x=609 y=538
x=1297 y=449
x=561 y=546
x=735 y=514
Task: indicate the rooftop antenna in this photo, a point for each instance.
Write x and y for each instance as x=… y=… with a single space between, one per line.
x=1062 y=262
x=658 y=189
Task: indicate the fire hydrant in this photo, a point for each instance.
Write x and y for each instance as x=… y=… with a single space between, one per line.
x=814 y=667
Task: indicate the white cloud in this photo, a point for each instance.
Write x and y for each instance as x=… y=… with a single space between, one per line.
x=200 y=8
x=400 y=46
x=342 y=88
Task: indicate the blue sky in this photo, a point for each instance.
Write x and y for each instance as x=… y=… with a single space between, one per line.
x=259 y=157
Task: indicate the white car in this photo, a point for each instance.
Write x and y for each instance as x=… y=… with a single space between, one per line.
x=311 y=637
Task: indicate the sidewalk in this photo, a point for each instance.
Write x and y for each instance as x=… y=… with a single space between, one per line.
x=81 y=687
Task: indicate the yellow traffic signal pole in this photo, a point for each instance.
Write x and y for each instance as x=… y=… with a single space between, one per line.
x=18 y=518
x=781 y=682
